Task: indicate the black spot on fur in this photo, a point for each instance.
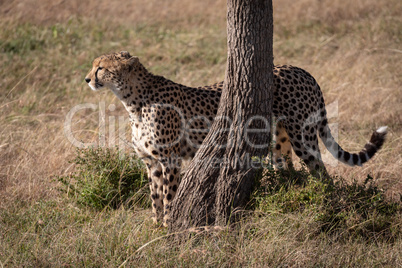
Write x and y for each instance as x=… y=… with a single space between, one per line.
x=278 y=146
x=362 y=156
x=371 y=149
x=355 y=159
x=347 y=156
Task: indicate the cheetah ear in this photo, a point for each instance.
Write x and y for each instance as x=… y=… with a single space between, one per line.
x=125 y=54
x=132 y=62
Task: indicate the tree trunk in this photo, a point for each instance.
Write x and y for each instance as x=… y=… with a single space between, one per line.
x=221 y=176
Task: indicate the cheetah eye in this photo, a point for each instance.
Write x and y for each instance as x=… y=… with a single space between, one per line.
x=100 y=68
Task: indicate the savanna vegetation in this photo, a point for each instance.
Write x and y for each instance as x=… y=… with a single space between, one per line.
x=63 y=206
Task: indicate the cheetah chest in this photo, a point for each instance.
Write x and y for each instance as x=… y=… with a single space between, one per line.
x=140 y=136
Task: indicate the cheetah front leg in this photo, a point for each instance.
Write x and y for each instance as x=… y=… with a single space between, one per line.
x=155 y=178
x=171 y=176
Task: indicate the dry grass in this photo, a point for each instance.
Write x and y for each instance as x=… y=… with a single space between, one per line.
x=354 y=51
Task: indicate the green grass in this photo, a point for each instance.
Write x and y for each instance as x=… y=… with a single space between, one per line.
x=106 y=178
x=341 y=209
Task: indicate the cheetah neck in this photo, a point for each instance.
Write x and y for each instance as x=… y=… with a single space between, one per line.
x=133 y=96
x=140 y=90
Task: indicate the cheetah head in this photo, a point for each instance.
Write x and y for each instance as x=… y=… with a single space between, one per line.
x=110 y=71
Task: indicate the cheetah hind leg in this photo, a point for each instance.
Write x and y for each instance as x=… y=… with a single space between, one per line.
x=306 y=147
x=282 y=150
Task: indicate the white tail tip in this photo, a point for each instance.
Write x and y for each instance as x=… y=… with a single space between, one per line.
x=382 y=129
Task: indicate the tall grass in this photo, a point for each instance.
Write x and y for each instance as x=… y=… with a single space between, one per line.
x=297 y=220
x=354 y=52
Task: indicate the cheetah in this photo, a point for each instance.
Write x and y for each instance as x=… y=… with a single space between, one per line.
x=169 y=121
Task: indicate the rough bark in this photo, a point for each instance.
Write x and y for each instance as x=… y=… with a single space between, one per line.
x=221 y=176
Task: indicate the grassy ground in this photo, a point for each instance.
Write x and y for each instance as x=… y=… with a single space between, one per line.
x=354 y=51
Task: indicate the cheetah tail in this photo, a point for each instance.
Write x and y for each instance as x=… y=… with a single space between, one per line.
x=376 y=141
